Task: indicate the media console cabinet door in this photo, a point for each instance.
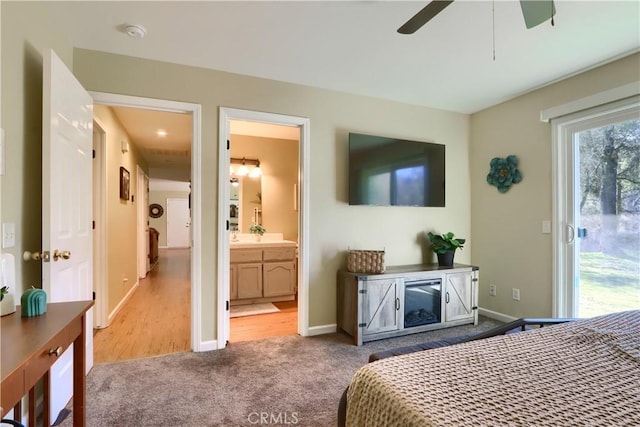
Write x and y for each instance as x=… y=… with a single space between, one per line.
x=458 y=296
x=380 y=306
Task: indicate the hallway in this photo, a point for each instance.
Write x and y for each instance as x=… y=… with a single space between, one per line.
x=156 y=319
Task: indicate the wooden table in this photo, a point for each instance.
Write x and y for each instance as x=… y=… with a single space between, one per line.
x=30 y=345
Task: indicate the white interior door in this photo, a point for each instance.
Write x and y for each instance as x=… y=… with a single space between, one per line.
x=178 y=223
x=143 y=223
x=66 y=206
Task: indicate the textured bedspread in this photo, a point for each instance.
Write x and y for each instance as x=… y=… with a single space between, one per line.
x=583 y=373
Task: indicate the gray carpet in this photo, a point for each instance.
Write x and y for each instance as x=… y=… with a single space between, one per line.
x=277 y=381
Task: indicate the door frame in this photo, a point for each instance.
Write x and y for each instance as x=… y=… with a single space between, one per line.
x=142 y=221
x=195 y=110
x=100 y=235
x=226 y=115
x=566 y=245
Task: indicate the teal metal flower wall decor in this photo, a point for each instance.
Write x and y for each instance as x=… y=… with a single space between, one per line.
x=504 y=173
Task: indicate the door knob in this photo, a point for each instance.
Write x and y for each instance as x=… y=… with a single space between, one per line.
x=36 y=256
x=28 y=256
x=61 y=254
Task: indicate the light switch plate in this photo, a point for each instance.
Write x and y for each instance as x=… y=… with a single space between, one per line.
x=8 y=235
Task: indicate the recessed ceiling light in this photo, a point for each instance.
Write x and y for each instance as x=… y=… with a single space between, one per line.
x=135 y=31
x=161 y=133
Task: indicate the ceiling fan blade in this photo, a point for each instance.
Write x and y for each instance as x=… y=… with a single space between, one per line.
x=425 y=15
x=535 y=12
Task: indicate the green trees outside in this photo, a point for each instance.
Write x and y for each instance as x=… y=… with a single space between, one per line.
x=610 y=213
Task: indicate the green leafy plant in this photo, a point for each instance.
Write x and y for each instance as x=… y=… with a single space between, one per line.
x=3 y=291
x=257 y=229
x=443 y=243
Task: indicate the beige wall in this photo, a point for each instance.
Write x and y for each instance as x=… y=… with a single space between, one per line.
x=508 y=243
x=122 y=269
x=279 y=165
x=160 y=224
x=27 y=34
x=335 y=226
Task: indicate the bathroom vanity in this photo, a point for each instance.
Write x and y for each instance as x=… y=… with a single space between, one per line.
x=262 y=271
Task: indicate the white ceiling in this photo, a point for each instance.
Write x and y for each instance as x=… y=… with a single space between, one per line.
x=353 y=46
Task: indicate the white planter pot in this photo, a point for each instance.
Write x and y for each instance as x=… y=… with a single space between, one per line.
x=8 y=305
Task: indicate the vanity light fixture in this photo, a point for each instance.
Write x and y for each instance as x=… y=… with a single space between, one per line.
x=243 y=170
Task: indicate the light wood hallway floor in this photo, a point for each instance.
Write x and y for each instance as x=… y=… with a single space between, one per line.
x=157 y=318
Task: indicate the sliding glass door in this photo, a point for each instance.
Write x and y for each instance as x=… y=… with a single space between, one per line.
x=597 y=181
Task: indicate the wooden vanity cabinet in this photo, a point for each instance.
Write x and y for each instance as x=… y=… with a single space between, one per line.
x=263 y=275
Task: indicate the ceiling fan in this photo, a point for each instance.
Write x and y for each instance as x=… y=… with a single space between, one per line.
x=535 y=12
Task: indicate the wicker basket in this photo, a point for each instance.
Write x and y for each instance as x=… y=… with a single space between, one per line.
x=365 y=261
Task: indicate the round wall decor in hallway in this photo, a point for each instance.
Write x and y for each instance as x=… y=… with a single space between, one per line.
x=155 y=210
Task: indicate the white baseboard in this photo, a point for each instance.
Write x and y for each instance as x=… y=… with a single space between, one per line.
x=115 y=311
x=495 y=315
x=321 y=330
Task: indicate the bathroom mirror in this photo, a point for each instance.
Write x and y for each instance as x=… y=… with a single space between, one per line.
x=245 y=207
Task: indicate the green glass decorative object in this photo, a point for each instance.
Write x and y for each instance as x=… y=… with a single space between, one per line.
x=33 y=302
x=504 y=173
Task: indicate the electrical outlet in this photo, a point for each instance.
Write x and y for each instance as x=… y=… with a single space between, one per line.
x=492 y=290
x=515 y=293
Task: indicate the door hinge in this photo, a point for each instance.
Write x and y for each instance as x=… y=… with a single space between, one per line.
x=362 y=291
x=227 y=144
x=362 y=325
x=93 y=153
x=94 y=296
x=227 y=225
x=474 y=280
x=474 y=308
x=93 y=225
x=227 y=305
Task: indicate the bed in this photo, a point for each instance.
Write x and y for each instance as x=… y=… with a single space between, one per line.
x=582 y=373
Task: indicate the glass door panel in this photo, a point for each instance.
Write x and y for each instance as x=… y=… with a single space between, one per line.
x=606 y=230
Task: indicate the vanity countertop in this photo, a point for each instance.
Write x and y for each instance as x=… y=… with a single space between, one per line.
x=263 y=244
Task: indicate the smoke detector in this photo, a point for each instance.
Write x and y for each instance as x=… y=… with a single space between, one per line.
x=135 y=31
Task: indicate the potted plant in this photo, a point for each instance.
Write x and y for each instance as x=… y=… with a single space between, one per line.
x=258 y=230
x=445 y=245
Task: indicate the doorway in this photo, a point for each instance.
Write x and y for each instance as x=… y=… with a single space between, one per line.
x=194 y=111
x=598 y=210
x=227 y=115
x=262 y=180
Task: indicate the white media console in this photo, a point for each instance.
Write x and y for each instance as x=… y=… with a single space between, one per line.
x=406 y=299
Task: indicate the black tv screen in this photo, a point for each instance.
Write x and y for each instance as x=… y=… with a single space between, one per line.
x=395 y=172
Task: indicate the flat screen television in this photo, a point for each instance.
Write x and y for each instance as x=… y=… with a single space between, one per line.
x=395 y=172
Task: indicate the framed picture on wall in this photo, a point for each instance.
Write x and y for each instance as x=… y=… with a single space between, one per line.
x=124 y=183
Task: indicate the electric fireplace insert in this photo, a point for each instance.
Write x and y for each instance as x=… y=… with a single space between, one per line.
x=422 y=302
